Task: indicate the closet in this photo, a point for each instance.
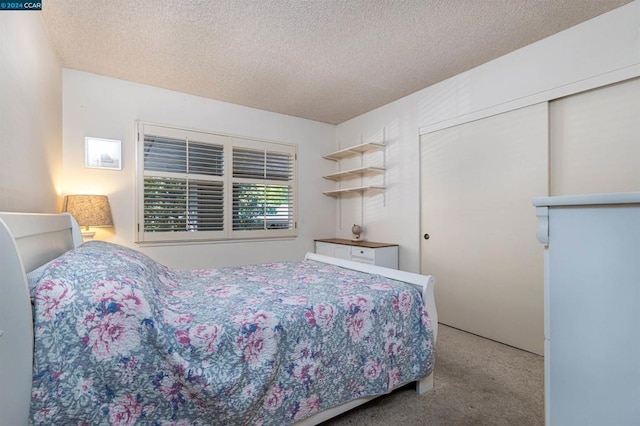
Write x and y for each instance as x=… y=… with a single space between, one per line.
x=595 y=141
x=478 y=180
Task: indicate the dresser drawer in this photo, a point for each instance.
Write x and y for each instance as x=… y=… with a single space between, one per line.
x=363 y=254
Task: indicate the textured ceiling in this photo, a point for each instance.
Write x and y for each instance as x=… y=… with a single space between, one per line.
x=325 y=60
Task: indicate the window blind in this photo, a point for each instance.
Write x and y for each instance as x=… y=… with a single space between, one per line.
x=260 y=198
x=188 y=193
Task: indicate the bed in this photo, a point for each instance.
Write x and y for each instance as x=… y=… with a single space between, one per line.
x=291 y=340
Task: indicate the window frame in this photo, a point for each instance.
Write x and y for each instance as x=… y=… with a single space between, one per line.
x=228 y=142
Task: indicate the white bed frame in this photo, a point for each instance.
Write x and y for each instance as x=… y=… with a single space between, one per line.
x=29 y=240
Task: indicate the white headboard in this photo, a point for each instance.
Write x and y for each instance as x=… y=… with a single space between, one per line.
x=27 y=241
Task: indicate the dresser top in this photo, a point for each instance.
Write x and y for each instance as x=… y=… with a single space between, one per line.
x=588 y=199
x=368 y=244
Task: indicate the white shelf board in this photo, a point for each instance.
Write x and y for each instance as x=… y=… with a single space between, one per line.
x=354 y=150
x=355 y=173
x=358 y=189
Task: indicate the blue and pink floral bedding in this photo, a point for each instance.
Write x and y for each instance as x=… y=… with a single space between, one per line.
x=123 y=340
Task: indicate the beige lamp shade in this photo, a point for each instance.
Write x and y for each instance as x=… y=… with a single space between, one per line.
x=89 y=210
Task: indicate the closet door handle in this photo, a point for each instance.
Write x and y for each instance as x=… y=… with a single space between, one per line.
x=426 y=236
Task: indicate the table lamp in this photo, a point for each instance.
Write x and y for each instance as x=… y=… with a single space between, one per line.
x=89 y=210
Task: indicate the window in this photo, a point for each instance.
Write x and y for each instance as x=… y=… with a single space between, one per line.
x=196 y=186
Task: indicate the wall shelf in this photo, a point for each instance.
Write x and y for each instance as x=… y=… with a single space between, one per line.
x=363 y=171
x=354 y=150
x=358 y=189
x=362 y=150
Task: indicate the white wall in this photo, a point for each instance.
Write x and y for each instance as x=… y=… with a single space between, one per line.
x=30 y=115
x=600 y=51
x=108 y=108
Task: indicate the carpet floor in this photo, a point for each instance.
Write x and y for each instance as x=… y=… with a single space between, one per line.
x=476 y=382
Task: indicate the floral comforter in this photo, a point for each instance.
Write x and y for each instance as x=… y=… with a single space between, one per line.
x=123 y=340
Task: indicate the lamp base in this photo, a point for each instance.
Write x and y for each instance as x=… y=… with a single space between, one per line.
x=87 y=235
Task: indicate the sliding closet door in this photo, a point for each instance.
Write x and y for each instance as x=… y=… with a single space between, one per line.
x=477 y=184
x=595 y=141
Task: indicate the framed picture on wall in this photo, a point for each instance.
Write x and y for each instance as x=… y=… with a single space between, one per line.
x=103 y=153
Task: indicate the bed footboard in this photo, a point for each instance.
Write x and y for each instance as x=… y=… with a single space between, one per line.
x=424 y=283
x=425 y=385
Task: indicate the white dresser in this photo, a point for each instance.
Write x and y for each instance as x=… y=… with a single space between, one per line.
x=381 y=254
x=592 y=308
